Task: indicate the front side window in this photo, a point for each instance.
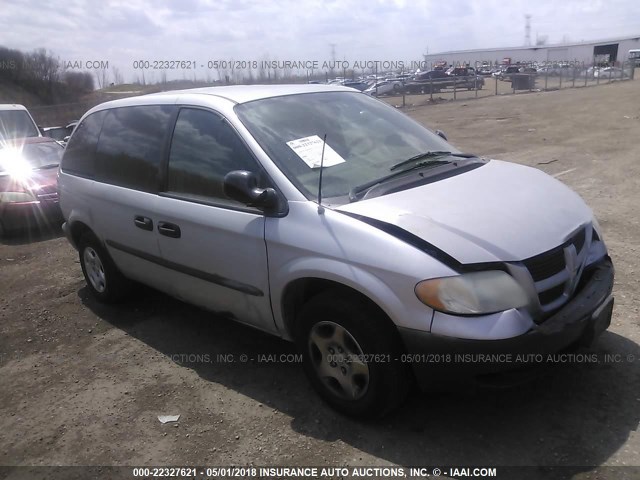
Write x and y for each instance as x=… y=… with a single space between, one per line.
x=131 y=146
x=204 y=149
x=368 y=136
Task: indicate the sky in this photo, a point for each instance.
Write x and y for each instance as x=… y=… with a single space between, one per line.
x=204 y=31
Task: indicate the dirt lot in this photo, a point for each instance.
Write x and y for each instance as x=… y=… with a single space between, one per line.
x=82 y=383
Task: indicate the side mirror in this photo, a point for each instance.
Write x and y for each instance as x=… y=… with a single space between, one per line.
x=242 y=186
x=440 y=133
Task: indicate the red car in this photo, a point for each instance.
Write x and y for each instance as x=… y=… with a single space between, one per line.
x=29 y=183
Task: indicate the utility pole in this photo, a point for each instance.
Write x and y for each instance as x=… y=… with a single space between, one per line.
x=333 y=59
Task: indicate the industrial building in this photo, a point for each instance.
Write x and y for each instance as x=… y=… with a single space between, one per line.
x=611 y=51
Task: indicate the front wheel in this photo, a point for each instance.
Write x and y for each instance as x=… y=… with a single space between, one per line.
x=351 y=355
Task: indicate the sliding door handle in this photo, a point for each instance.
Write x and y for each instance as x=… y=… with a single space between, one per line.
x=169 y=229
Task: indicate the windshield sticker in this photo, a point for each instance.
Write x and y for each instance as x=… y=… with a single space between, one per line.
x=309 y=149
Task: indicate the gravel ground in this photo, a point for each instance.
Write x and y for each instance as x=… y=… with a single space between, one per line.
x=83 y=384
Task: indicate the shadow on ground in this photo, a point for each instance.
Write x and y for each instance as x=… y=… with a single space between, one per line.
x=580 y=414
x=32 y=235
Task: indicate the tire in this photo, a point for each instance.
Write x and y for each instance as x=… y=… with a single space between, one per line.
x=338 y=334
x=103 y=278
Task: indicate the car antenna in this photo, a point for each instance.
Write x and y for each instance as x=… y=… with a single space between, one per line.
x=320 y=207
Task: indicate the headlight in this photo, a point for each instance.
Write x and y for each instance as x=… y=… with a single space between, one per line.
x=17 y=197
x=472 y=293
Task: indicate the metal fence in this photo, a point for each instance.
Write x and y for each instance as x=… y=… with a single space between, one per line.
x=550 y=78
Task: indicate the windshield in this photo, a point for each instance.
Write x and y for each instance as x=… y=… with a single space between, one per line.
x=29 y=157
x=365 y=138
x=16 y=124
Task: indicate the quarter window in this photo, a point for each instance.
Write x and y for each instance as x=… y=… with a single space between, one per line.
x=204 y=149
x=79 y=156
x=131 y=146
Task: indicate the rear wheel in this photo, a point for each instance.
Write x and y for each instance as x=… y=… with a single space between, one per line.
x=103 y=278
x=351 y=355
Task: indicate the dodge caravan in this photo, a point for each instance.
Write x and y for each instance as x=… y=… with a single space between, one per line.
x=331 y=219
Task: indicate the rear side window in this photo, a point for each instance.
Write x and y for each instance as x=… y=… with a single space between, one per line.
x=79 y=156
x=131 y=146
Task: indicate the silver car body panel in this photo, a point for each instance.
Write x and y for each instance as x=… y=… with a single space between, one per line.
x=499 y=212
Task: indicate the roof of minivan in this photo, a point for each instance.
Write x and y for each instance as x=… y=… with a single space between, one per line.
x=248 y=93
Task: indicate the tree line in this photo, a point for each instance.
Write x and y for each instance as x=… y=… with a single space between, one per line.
x=43 y=75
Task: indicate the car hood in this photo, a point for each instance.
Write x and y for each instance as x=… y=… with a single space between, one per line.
x=44 y=179
x=498 y=212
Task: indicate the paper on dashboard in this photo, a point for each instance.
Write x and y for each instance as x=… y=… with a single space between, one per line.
x=309 y=149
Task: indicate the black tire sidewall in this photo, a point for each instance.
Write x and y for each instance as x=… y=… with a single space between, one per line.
x=113 y=278
x=387 y=380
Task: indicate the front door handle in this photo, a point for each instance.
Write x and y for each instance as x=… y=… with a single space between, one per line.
x=144 y=223
x=169 y=229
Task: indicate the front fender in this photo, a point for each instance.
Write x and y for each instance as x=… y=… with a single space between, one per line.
x=401 y=309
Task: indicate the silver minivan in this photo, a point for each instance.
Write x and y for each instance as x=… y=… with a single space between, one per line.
x=331 y=219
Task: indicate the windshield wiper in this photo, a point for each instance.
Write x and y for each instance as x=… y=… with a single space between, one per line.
x=358 y=189
x=431 y=160
x=434 y=154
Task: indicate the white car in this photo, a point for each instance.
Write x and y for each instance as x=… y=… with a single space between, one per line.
x=333 y=220
x=17 y=122
x=385 y=87
x=610 y=72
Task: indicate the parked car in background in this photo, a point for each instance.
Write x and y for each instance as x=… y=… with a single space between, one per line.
x=496 y=72
x=548 y=70
x=17 y=122
x=362 y=86
x=28 y=183
x=437 y=80
x=587 y=72
x=406 y=249
x=465 y=77
x=509 y=72
x=60 y=134
x=610 y=72
x=57 y=133
x=386 y=87
x=431 y=75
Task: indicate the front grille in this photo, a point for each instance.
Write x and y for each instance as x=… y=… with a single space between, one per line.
x=549 y=296
x=48 y=197
x=551 y=274
x=47 y=193
x=546 y=264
